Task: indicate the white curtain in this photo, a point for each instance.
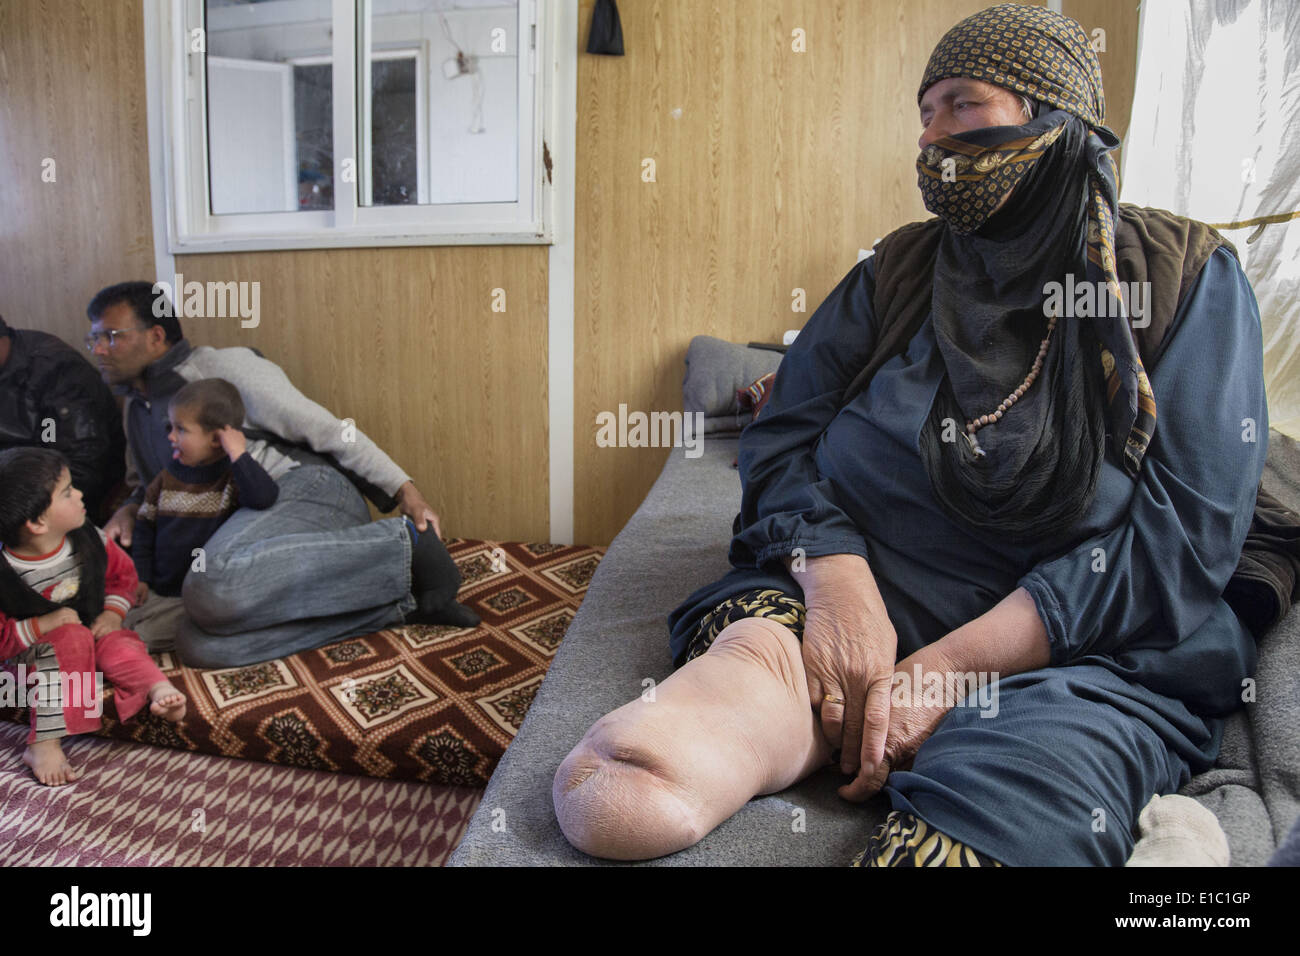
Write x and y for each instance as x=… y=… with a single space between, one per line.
x=1215 y=136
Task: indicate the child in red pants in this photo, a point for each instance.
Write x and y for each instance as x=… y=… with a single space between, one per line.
x=64 y=590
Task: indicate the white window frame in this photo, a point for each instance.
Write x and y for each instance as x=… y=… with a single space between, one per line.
x=181 y=151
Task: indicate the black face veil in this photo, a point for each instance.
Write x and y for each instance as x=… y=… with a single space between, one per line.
x=1003 y=456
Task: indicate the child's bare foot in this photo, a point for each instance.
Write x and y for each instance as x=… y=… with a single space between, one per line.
x=167 y=702
x=48 y=763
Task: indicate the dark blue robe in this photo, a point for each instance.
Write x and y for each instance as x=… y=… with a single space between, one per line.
x=1146 y=658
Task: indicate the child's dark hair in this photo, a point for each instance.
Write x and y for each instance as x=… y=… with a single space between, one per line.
x=214 y=402
x=28 y=477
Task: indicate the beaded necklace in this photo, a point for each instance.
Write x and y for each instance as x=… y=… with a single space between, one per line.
x=975 y=424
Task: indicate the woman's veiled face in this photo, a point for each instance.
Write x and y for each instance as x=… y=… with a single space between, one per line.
x=959 y=104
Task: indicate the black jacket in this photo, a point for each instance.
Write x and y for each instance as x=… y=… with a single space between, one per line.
x=47 y=383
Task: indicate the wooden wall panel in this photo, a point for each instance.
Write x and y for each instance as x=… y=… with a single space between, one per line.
x=405 y=343
x=71 y=90
x=1119 y=18
x=779 y=167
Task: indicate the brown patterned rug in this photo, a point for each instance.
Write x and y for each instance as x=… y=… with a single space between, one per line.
x=436 y=704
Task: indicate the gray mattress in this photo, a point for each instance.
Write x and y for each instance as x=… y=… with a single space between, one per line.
x=676 y=541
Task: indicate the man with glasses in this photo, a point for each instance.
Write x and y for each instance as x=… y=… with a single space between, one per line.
x=313 y=568
x=50 y=397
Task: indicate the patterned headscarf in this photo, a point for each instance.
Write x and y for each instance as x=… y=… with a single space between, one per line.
x=1061 y=216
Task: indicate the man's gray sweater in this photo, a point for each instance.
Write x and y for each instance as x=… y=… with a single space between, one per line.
x=271 y=404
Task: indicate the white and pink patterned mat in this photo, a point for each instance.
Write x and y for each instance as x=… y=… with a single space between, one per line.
x=138 y=805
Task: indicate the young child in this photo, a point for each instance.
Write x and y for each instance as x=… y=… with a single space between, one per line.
x=64 y=590
x=208 y=479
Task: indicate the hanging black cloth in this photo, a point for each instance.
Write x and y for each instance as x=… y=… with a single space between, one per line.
x=606 y=34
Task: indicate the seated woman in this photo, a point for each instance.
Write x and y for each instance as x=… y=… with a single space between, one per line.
x=960 y=472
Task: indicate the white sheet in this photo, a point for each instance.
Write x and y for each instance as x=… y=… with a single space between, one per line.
x=1215 y=136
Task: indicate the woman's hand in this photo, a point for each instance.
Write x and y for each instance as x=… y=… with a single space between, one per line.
x=849 y=646
x=1009 y=638
x=911 y=718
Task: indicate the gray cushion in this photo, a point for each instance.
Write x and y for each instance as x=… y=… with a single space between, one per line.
x=715 y=370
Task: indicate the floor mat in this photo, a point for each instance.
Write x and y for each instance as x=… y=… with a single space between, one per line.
x=431 y=704
x=147 y=806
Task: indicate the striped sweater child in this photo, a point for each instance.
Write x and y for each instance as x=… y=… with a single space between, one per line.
x=184 y=506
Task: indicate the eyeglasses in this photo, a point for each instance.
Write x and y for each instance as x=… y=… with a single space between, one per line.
x=108 y=337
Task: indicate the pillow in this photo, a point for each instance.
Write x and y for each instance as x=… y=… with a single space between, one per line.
x=753 y=399
x=715 y=371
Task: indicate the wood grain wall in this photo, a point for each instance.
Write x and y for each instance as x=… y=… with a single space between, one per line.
x=71 y=90
x=1119 y=20
x=773 y=168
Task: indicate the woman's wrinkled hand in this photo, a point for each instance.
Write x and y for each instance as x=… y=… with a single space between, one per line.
x=849 y=647
x=911 y=721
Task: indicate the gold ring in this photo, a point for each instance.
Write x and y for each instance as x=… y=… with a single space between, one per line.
x=833 y=700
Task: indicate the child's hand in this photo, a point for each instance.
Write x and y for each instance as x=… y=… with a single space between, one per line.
x=56 y=619
x=141 y=593
x=106 y=623
x=232 y=440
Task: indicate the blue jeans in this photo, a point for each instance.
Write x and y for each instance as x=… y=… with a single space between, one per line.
x=310 y=570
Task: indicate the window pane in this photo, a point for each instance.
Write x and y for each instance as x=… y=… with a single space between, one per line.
x=314 y=126
x=270 y=102
x=443 y=98
x=394 y=150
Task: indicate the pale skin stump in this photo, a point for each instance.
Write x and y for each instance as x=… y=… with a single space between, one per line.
x=654 y=777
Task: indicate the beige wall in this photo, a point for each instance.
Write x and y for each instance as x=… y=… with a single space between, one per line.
x=1119 y=20
x=778 y=168
x=71 y=90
